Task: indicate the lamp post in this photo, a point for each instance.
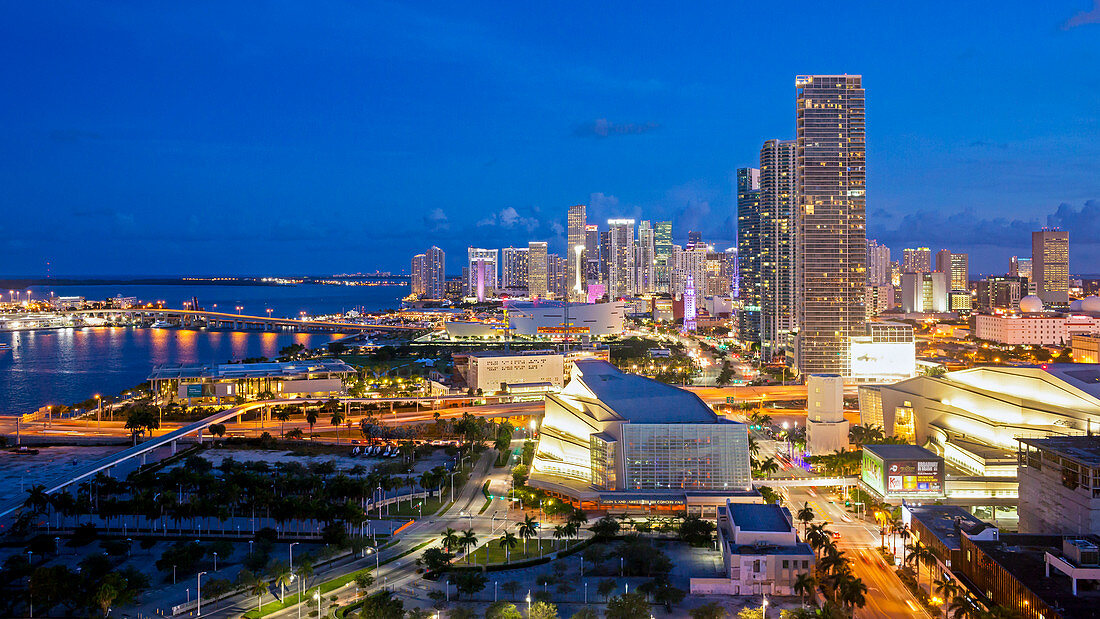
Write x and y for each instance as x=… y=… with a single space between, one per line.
x=198 y=594
x=317 y=596
x=764 y=608
x=528 y=602
x=292 y=545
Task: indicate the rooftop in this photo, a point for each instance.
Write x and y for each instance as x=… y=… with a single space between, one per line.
x=941 y=521
x=1081 y=449
x=228 y=371
x=901 y=452
x=1022 y=556
x=639 y=399
x=766 y=518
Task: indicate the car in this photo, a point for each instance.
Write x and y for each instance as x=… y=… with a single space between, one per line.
x=835 y=534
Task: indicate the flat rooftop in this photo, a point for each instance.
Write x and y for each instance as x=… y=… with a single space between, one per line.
x=643 y=400
x=766 y=518
x=227 y=371
x=1023 y=556
x=1082 y=449
x=941 y=519
x=901 y=452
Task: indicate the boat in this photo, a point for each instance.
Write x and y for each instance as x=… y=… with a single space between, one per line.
x=5 y=346
x=161 y=324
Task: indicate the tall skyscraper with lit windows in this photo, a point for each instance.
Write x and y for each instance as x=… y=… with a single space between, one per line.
x=748 y=253
x=621 y=278
x=1050 y=265
x=774 y=262
x=662 y=249
x=514 y=268
x=577 y=221
x=831 y=220
x=538 y=280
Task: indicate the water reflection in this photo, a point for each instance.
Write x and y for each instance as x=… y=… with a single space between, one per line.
x=70 y=365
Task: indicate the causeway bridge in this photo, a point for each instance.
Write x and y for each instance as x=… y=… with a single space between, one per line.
x=224 y=320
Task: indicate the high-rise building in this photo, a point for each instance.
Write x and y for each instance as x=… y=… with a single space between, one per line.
x=621 y=277
x=717 y=274
x=943 y=261
x=831 y=230
x=693 y=264
x=646 y=260
x=1020 y=267
x=694 y=238
x=748 y=253
x=557 y=275
x=1001 y=292
x=775 y=262
x=924 y=292
x=435 y=278
x=417 y=275
x=605 y=257
x=917 y=260
x=514 y=268
x=878 y=263
x=483 y=271
x=662 y=249
x=1050 y=265
x=592 y=253
x=576 y=221
x=538 y=281
x=959 y=273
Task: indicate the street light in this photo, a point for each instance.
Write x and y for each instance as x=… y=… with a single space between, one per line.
x=317 y=596
x=198 y=594
x=764 y=610
x=292 y=545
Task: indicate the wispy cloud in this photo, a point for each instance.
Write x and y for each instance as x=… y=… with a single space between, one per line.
x=510 y=218
x=1084 y=17
x=436 y=220
x=604 y=128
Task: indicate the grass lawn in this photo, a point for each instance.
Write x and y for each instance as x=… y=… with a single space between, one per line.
x=408 y=510
x=325 y=587
x=496 y=553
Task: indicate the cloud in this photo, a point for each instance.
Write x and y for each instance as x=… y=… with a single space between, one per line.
x=603 y=128
x=1083 y=225
x=436 y=220
x=881 y=213
x=956 y=229
x=510 y=218
x=1084 y=17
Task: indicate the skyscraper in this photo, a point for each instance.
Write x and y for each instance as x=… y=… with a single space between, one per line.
x=592 y=253
x=538 y=282
x=605 y=257
x=831 y=235
x=959 y=272
x=748 y=253
x=557 y=276
x=775 y=262
x=435 y=278
x=1050 y=265
x=878 y=263
x=482 y=278
x=417 y=275
x=662 y=249
x=514 y=268
x=1020 y=267
x=694 y=238
x=621 y=278
x=576 y=221
x=917 y=260
x=645 y=259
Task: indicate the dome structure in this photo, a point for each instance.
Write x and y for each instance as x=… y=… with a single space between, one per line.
x=1031 y=303
x=1090 y=304
x=1075 y=305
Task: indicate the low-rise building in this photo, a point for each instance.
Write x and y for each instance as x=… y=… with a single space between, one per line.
x=1086 y=348
x=1045 y=328
x=493 y=371
x=1060 y=485
x=761 y=552
x=942 y=527
x=313 y=378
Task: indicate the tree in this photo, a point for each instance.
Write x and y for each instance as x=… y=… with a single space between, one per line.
x=851 y=592
x=606 y=587
x=508 y=541
x=752 y=612
x=511 y=587
x=543 y=610
x=527 y=529
x=768 y=466
x=696 y=531
x=294 y=433
x=502 y=610
x=468 y=541
x=605 y=527
x=710 y=610
x=382 y=605
x=337 y=418
x=627 y=606
x=105 y=595
x=919 y=553
x=141 y=418
x=364 y=581
x=665 y=593
x=281 y=413
x=37 y=499
x=804 y=586
x=450 y=539
x=726 y=375
x=469 y=583
x=311 y=419
x=818 y=537
x=437 y=559
x=806 y=516
x=217 y=429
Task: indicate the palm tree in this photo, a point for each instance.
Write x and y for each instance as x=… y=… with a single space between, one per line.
x=469 y=539
x=311 y=419
x=282 y=413
x=904 y=534
x=919 y=553
x=258 y=588
x=804 y=586
x=818 y=537
x=527 y=529
x=754 y=447
x=768 y=466
x=559 y=532
x=806 y=515
x=338 y=418
x=852 y=592
x=37 y=499
x=450 y=539
x=947 y=589
x=508 y=541
x=283 y=577
x=962 y=607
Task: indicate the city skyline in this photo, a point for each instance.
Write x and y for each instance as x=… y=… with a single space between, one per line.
x=283 y=127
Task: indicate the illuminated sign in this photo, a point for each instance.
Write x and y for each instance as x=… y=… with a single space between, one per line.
x=194 y=391
x=885 y=359
x=903 y=477
x=563 y=329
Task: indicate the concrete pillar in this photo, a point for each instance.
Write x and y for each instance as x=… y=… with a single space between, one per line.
x=240 y=416
x=143 y=458
x=173 y=444
x=200 y=436
x=1074 y=579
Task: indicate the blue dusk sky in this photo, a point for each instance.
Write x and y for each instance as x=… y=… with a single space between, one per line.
x=320 y=137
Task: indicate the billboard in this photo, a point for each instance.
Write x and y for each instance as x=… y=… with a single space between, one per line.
x=872 y=472
x=914 y=478
x=194 y=391
x=883 y=360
